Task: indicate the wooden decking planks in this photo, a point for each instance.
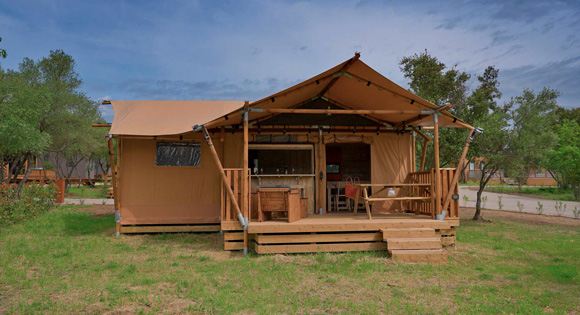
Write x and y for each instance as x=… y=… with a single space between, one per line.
x=127 y=229
x=408 y=233
x=338 y=226
x=314 y=248
x=413 y=243
x=318 y=238
x=435 y=257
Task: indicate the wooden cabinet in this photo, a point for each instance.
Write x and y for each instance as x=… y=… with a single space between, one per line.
x=280 y=200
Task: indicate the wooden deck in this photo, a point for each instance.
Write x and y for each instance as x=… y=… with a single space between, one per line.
x=409 y=234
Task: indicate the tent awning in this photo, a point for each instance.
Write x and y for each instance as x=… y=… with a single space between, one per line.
x=157 y=118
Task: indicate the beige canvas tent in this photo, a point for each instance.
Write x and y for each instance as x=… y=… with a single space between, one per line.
x=203 y=166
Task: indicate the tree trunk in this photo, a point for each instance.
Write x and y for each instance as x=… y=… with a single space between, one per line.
x=477 y=216
x=482 y=182
x=24 y=179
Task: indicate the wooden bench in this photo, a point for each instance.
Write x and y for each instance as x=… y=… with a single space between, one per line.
x=368 y=200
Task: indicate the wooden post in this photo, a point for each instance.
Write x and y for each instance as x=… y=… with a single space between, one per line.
x=223 y=176
x=245 y=188
x=457 y=169
x=413 y=152
x=321 y=175
x=423 y=155
x=118 y=169
x=114 y=182
x=436 y=160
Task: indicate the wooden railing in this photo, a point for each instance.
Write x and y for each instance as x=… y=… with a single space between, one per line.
x=234 y=176
x=428 y=177
x=425 y=177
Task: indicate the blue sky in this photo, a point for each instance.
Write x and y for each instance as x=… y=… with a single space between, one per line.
x=245 y=50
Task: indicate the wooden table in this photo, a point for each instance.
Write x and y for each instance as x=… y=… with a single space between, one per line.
x=368 y=200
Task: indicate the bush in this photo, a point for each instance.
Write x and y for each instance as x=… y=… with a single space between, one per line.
x=34 y=199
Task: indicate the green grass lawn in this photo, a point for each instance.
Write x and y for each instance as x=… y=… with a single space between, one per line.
x=552 y=193
x=67 y=261
x=86 y=192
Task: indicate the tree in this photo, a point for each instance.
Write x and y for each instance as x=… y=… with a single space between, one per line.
x=433 y=81
x=2 y=51
x=563 y=162
x=516 y=137
x=43 y=110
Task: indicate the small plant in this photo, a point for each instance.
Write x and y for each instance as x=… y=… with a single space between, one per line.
x=465 y=200
x=560 y=208
x=499 y=203
x=540 y=208
x=82 y=201
x=576 y=212
x=483 y=202
x=104 y=202
x=521 y=206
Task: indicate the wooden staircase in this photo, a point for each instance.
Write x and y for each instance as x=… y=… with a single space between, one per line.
x=415 y=245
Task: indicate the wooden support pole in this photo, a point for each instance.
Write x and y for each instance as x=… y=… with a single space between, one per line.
x=223 y=175
x=101 y=125
x=457 y=169
x=423 y=155
x=436 y=160
x=245 y=188
x=421 y=134
x=114 y=182
x=413 y=149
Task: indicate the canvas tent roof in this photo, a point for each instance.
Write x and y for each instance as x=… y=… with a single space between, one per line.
x=157 y=118
x=350 y=85
x=354 y=85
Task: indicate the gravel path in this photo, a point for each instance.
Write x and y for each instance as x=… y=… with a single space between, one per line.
x=69 y=201
x=510 y=202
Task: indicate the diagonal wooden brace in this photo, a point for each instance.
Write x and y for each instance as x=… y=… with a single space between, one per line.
x=223 y=175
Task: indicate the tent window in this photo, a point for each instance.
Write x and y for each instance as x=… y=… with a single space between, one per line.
x=178 y=154
x=472 y=166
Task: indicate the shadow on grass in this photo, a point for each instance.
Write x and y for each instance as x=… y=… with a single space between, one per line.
x=76 y=223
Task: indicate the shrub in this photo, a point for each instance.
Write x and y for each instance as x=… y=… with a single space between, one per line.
x=576 y=212
x=560 y=209
x=483 y=201
x=499 y=203
x=540 y=208
x=465 y=200
x=520 y=206
x=33 y=200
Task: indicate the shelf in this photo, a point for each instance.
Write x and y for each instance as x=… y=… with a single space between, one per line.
x=284 y=175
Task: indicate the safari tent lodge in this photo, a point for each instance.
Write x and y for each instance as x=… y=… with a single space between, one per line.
x=326 y=165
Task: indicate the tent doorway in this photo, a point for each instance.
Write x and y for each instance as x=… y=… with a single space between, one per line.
x=345 y=161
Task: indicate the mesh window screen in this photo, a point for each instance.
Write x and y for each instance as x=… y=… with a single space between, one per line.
x=178 y=154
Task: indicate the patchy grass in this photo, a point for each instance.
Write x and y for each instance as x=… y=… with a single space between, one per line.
x=552 y=193
x=67 y=261
x=87 y=192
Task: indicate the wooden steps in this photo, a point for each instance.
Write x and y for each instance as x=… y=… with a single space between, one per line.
x=415 y=245
x=432 y=256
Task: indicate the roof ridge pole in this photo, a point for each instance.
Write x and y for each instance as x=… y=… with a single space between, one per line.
x=340 y=73
x=245 y=184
